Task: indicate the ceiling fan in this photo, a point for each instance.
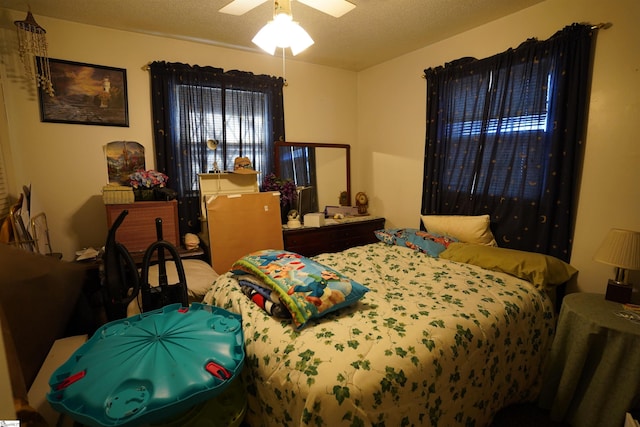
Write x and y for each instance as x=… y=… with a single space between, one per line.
x=335 y=8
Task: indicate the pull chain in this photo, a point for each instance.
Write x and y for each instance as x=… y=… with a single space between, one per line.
x=284 y=71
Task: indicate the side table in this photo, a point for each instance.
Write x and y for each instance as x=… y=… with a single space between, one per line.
x=592 y=375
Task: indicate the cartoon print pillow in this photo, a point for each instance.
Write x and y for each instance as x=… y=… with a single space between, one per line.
x=307 y=288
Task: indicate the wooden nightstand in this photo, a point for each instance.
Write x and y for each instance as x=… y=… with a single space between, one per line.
x=592 y=375
x=310 y=241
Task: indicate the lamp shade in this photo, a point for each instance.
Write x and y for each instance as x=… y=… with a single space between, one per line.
x=282 y=32
x=620 y=248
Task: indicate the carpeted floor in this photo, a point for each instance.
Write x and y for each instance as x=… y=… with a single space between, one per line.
x=524 y=415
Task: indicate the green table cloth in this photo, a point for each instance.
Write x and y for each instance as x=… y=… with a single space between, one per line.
x=592 y=375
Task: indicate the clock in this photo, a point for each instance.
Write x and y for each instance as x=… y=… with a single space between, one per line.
x=362 y=203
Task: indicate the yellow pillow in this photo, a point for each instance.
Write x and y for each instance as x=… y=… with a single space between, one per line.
x=468 y=229
x=540 y=269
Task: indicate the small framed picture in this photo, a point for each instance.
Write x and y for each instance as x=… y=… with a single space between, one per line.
x=85 y=94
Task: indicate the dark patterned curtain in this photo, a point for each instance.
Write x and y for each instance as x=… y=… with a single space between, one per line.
x=192 y=104
x=505 y=138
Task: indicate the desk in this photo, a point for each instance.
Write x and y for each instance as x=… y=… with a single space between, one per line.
x=592 y=376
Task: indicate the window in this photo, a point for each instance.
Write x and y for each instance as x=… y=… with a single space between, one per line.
x=504 y=138
x=487 y=116
x=192 y=104
x=239 y=135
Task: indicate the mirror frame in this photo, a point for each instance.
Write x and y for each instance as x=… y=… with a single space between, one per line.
x=346 y=147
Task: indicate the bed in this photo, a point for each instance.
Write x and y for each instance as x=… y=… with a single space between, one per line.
x=434 y=341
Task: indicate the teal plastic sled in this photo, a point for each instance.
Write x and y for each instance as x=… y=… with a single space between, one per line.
x=147 y=368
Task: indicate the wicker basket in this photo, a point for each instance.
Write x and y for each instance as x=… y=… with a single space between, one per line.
x=117 y=194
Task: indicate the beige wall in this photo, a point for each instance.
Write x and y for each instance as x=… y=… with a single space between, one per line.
x=391 y=126
x=64 y=163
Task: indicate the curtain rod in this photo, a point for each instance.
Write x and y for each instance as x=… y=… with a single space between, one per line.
x=600 y=26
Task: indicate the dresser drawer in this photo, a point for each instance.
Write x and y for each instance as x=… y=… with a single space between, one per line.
x=331 y=238
x=138 y=230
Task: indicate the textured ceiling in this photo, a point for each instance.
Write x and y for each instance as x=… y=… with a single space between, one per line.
x=374 y=32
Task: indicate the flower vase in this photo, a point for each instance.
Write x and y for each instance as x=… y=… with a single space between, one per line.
x=143 y=194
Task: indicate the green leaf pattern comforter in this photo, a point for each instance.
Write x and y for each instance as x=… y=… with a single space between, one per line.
x=434 y=343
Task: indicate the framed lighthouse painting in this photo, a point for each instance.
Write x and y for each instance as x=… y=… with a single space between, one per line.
x=85 y=94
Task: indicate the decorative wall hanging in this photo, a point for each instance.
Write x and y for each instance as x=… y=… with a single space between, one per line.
x=85 y=94
x=123 y=159
x=32 y=47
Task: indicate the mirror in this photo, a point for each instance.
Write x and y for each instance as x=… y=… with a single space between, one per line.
x=326 y=165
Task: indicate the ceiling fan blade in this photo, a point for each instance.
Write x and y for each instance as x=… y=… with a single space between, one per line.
x=335 y=8
x=240 y=7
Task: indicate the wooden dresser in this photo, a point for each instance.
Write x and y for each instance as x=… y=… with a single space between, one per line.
x=138 y=230
x=310 y=241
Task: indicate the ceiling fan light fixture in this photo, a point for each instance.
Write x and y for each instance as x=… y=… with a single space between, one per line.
x=282 y=32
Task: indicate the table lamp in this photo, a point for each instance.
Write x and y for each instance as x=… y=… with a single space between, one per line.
x=212 y=144
x=620 y=248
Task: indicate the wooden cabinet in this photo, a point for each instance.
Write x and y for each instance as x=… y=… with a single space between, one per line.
x=240 y=224
x=138 y=230
x=310 y=241
x=218 y=184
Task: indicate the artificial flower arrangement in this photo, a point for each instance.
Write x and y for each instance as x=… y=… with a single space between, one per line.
x=286 y=187
x=147 y=179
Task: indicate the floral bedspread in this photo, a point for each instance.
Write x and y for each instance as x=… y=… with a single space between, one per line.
x=434 y=343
